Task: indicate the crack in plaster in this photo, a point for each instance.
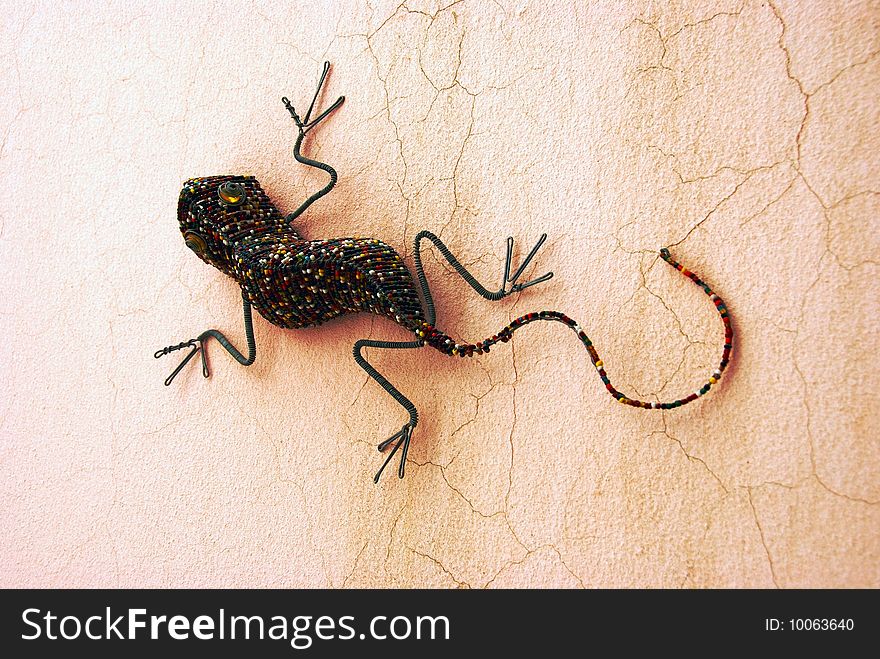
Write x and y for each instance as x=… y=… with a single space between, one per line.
x=689 y=456
x=763 y=539
x=458 y=582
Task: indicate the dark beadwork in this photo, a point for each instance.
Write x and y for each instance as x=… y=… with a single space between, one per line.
x=230 y=223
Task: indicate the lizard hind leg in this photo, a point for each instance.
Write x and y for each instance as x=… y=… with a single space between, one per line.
x=509 y=283
x=403 y=437
x=400 y=439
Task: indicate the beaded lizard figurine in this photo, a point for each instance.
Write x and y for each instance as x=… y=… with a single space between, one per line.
x=229 y=222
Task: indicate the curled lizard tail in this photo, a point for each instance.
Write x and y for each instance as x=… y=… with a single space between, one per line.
x=445 y=344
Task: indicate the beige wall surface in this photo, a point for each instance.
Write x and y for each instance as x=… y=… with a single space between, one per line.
x=743 y=133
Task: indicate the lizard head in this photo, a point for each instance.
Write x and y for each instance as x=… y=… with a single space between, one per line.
x=219 y=212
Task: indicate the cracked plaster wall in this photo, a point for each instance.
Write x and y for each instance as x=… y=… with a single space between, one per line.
x=744 y=134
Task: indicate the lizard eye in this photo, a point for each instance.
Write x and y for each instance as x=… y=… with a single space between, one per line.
x=231 y=194
x=195 y=242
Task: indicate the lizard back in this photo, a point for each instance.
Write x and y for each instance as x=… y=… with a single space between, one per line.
x=292 y=282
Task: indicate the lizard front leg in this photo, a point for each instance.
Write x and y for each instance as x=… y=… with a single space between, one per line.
x=304 y=125
x=198 y=345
